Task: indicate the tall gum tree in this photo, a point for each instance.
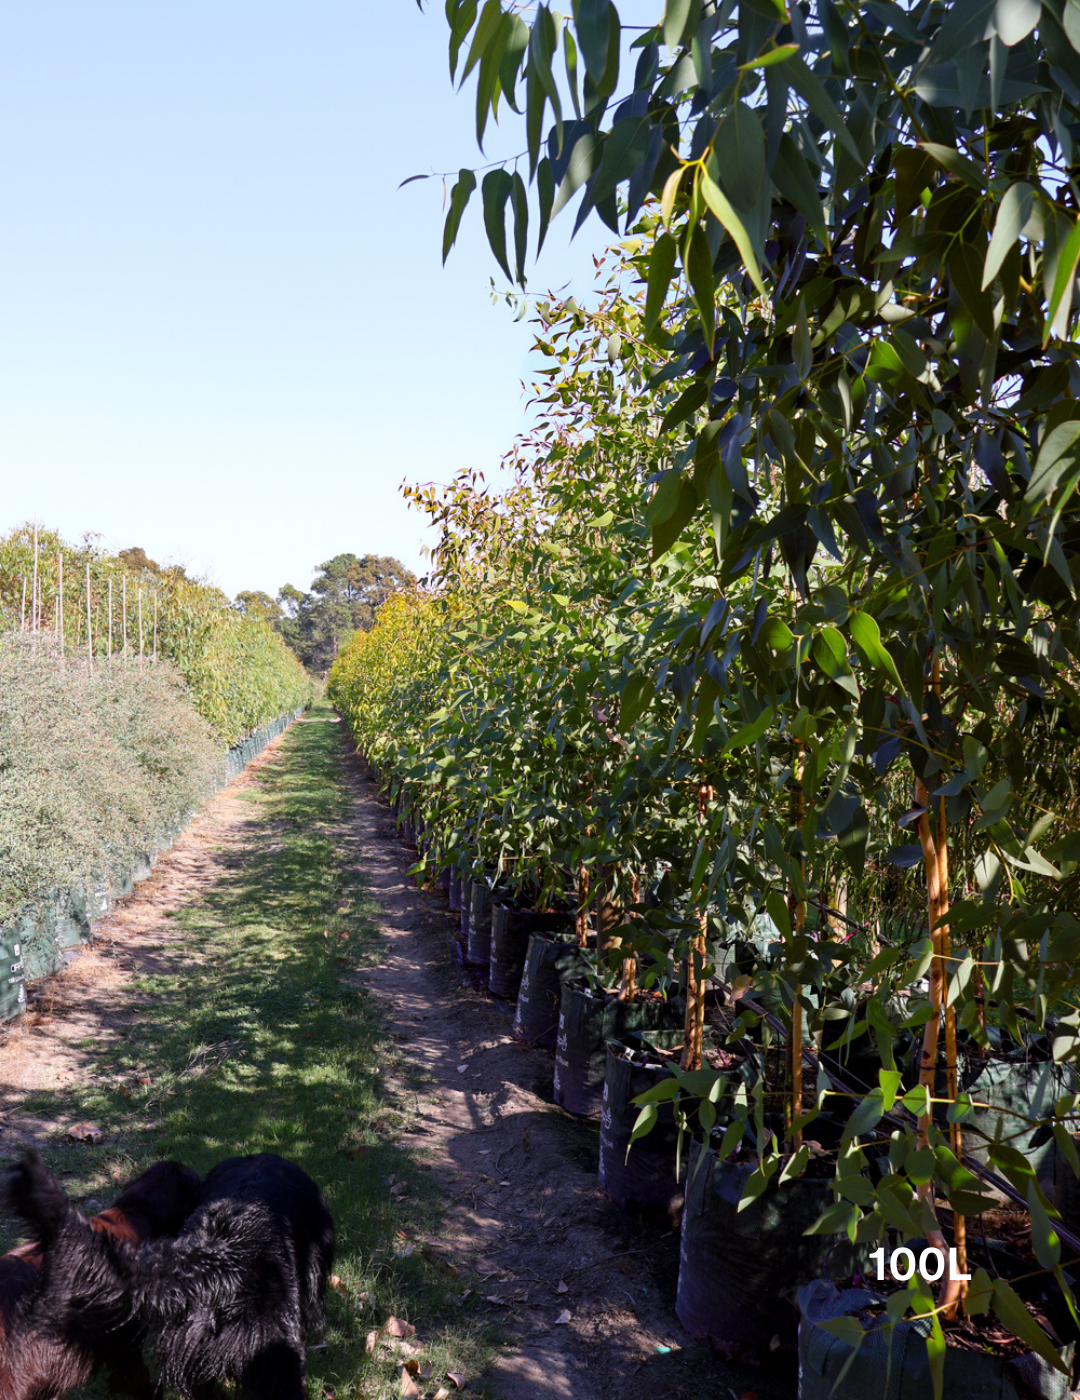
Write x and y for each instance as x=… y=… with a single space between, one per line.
x=863 y=286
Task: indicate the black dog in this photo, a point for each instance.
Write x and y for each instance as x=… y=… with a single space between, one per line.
x=55 y=1328
x=234 y=1294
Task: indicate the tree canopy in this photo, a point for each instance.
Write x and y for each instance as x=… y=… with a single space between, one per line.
x=343 y=599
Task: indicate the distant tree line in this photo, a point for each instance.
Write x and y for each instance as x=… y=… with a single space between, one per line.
x=344 y=597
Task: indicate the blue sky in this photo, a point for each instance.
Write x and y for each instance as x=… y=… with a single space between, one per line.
x=225 y=334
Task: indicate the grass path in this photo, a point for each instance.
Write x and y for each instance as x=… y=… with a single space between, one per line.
x=258 y=1037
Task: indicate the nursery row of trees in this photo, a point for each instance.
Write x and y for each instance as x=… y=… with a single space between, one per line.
x=91 y=606
x=707 y=669
x=847 y=398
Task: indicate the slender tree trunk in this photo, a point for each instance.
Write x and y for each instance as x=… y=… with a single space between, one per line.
x=694 y=1025
x=582 y=918
x=955 y=1132
x=795 y=1105
x=608 y=913
x=937 y=907
x=628 y=986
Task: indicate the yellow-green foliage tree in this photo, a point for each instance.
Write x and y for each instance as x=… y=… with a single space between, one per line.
x=385 y=682
x=240 y=671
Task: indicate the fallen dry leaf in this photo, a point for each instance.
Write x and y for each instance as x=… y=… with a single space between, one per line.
x=462 y=1068
x=460 y=1381
x=562 y=1286
x=563 y=1318
x=748 y=1395
x=143 y=1079
x=394 y=1327
x=442 y=1393
x=408 y=1385
x=339 y=1287
x=85 y=1132
x=372 y=1342
x=424 y=1371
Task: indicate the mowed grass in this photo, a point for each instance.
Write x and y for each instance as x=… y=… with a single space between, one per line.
x=262 y=1044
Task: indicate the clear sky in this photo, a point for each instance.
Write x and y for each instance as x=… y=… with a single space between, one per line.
x=225 y=334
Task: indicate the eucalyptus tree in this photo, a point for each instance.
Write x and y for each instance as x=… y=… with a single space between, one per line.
x=863 y=286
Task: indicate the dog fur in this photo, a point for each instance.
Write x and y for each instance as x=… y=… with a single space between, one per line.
x=55 y=1332
x=235 y=1293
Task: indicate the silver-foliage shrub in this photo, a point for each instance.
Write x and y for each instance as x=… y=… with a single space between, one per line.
x=93 y=770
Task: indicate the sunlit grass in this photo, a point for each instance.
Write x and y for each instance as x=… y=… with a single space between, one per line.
x=265 y=1045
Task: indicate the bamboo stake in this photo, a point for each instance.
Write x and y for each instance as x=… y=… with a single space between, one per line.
x=140 y=627
x=123 y=611
x=89 y=629
x=155 y=622
x=56 y=602
x=110 y=618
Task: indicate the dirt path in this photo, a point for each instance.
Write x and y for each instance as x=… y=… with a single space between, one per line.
x=586 y=1293
x=524 y=1210
x=73 y=1015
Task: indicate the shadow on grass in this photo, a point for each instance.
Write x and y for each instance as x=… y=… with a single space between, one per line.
x=263 y=1045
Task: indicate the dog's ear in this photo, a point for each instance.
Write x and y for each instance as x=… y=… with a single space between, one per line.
x=30 y=1191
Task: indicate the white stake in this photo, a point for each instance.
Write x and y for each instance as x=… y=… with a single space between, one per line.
x=89 y=632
